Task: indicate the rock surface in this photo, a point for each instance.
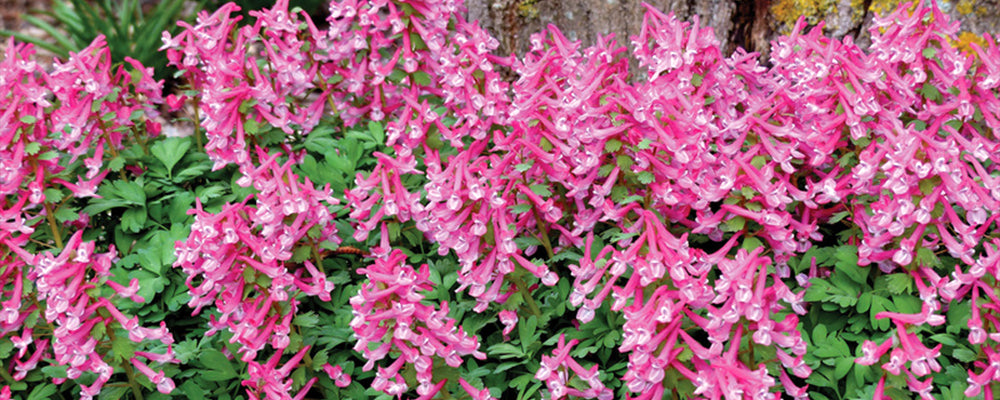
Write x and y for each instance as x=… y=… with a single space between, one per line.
x=750 y=24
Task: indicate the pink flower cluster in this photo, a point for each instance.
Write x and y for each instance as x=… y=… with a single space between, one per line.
x=556 y=370
x=898 y=140
x=220 y=60
x=59 y=302
x=239 y=260
x=721 y=147
x=390 y=317
x=940 y=175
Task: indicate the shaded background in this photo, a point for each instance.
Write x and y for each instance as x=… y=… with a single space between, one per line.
x=751 y=24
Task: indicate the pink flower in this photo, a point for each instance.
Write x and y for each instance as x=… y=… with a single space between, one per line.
x=336 y=373
x=509 y=320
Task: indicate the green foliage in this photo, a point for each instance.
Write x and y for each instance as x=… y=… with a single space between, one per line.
x=843 y=315
x=131 y=30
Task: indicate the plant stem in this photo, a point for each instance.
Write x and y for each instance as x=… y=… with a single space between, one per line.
x=129 y=372
x=52 y=225
x=316 y=256
x=544 y=234
x=6 y=375
x=523 y=288
x=136 y=390
x=197 y=126
x=111 y=147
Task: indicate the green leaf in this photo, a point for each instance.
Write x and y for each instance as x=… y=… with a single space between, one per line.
x=307 y=319
x=5 y=349
x=524 y=166
x=819 y=335
x=32 y=148
x=842 y=367
x=929 y=52
x=29 y=119
x=864 y=302
x=122 y=347
x=192 y=391
x=170 y=150
x=945 y=339
x=612 y=146
x=630 y=199
x=64 y=214
x=930 y=92
x=48 y=155
x=821 y=254
x=132 y=192
x=116 y=164
x=819 y=380
x=421 y=78
x=696 y=80
x=751 y=243
x=321 y=358
x=860 y=371
x=42 y=392
x=219 y=367
x=927 y=257
x=156 y=252
x=839 y=216
x=505 y=351
x=879 y=304
x=53 y=195
x=899 y=283
x=907 y=304
x=618 y=193
x=625 y=162
x=958 y=315
x=55 y=371
x=527 y=394
x=134 y=219
x=821 y=290
x=734 y=224
x=847 y=262
x=526 y=332
x=192 y=171
x=541 y=189
x=114 y=393
x=963 y=354
x=645 y=177
x=520 y=208
x=377 y=131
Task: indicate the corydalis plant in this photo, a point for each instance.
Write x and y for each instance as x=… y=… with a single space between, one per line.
x=240 y=260
x=59 y=130
x=689 y=192
x=733 y=153
x=389 y=305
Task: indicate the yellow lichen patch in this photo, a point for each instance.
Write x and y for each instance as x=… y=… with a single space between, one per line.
x=965 y=6
x=965 y=40
x=527 y=8
x=883 y=7
x=787 y=12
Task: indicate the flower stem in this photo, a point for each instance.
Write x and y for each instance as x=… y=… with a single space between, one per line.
x=197 y=126
x=544 y=233
x=136 y=390
x=129 y=372
x=54 y=226
x=523 y=288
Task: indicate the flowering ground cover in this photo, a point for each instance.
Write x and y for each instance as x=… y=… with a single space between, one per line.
x=380 y=206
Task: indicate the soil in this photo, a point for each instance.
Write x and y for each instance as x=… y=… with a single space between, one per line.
x=11 y=18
